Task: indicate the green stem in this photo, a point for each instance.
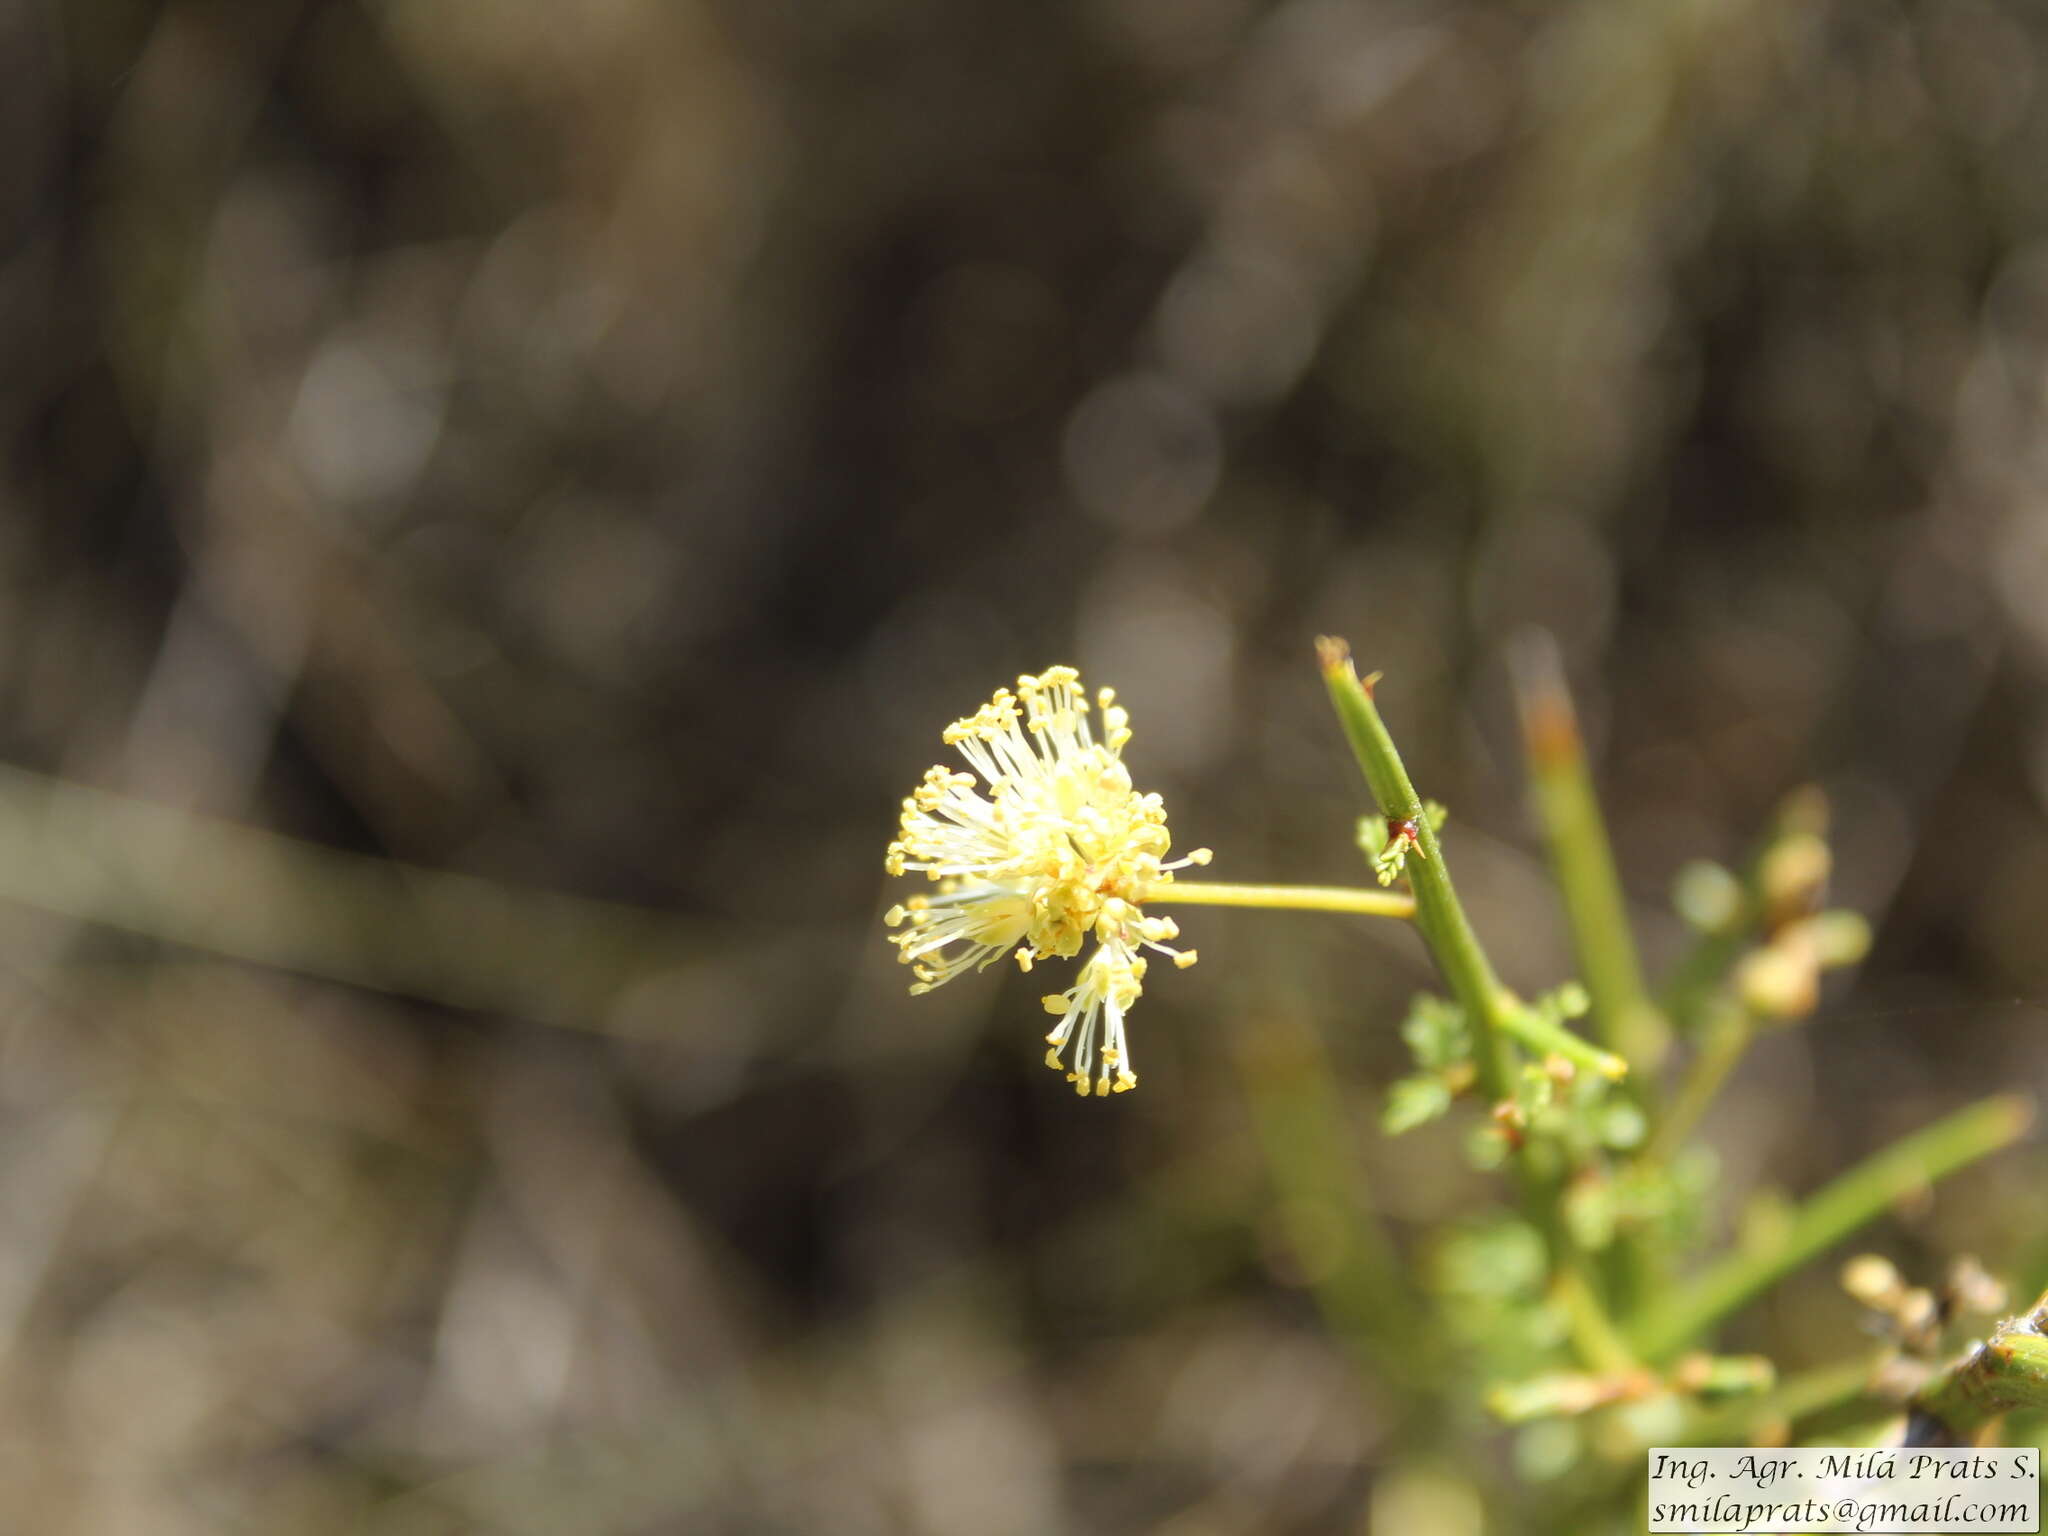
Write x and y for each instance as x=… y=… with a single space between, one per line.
x=1299 y=898
x=1582 y=859
x=1593 y=1333
x=1858 y=1196
x=1540 y=1035
x=1819 y=1390
x=1438 y=913
x=1581 y=856
x=2008 y=1371
x=1492 y=1010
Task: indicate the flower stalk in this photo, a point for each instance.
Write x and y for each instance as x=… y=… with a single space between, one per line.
x=1294 y=898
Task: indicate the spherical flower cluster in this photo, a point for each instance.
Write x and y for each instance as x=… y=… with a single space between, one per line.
x=1050 y=848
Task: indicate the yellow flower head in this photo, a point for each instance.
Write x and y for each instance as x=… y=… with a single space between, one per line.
x=1052 y=846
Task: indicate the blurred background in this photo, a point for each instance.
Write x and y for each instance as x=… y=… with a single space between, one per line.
x=500 y=500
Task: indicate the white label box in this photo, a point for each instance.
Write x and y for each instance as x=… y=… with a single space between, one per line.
x=1814 y=1488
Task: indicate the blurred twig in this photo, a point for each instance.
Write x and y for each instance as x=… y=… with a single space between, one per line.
x=1562 y=785
x=277 y=901
x=1723 y=1042
x=1858 y=1196
x=1823 y=1389
x=1324 y=1211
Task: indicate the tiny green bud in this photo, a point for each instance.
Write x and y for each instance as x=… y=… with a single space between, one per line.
x=1707 y=896
x=1793 y=874
x=1841 y=938
x=1781 y=980
x=1873 y=1280
x=1622 y=1125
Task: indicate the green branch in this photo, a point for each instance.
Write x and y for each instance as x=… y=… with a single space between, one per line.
x=1438 y=913
x=1561 y=784
x=2007 y=1371
x=1546 y=1038
x=1858 y=1196
x=1493 y=1012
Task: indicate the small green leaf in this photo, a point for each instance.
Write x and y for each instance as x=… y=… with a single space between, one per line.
x=1415 y=1101
x=1486 y=1148
x=1502 y=1258
x=1436 y=1032
x=1590 y=1213
x=1535 y=1090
